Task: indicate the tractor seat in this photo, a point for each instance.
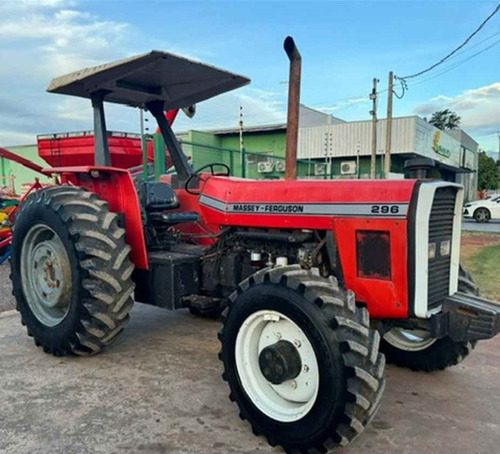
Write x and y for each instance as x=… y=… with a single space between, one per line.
x=157 y=197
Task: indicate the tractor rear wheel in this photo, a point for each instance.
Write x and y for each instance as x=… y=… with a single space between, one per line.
x=417 y=350
x=70 y=271
x=300 y=359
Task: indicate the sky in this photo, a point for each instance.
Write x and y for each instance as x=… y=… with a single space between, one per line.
x=344 y=45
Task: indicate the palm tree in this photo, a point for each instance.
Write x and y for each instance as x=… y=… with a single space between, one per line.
x=445 y=119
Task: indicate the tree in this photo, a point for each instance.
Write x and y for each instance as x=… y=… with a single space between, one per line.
x=488 y=176
x=445 y=119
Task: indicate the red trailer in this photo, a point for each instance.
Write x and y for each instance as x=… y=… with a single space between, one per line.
x=77 y=149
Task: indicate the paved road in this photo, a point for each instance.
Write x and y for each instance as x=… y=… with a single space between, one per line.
x=491 y=226
x=157 y=389
x=6 y=298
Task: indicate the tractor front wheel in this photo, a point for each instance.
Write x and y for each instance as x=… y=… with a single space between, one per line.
x=70 y=271
x=300 y=359
x=419 y=351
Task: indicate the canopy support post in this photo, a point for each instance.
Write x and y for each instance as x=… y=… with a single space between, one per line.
x=102 y=156
x=176 y=154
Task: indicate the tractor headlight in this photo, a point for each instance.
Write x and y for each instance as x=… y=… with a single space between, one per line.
x=432 y=250
x=444 y=248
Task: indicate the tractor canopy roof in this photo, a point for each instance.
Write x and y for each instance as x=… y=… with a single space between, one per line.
x=154 y=76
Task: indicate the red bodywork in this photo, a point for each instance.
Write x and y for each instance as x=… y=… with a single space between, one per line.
x=345 y=207
x=117 y=188
x=61 y=150
x=77 y=149
x=384 y=297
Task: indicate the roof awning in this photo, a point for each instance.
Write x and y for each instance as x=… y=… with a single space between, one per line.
x=155 y=76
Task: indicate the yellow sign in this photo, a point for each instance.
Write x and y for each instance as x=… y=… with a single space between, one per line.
x=438 y=148
x=437 y=138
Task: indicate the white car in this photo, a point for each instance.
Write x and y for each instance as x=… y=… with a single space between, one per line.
x=483 y=210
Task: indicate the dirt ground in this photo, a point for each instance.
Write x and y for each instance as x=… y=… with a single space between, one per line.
x=472 y=242
x=158 y=390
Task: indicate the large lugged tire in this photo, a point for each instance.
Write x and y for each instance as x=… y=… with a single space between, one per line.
x=300 y=359
x=71 y=271
x=418 y=351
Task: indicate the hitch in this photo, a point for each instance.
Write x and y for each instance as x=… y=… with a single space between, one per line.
x=466 y=318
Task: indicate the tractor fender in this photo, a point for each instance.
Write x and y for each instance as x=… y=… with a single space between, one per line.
x=116 y=187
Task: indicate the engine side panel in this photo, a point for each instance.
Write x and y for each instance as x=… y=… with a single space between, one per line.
x=364 y=218
x=386 y=296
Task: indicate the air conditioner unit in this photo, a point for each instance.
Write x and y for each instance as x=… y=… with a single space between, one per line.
x=320 y=169
x=348 y=167
x=280 y=166
x=265 y=167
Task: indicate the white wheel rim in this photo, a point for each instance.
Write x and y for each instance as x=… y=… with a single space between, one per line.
x=292 y=399
x=414 y=340
x=46 y=275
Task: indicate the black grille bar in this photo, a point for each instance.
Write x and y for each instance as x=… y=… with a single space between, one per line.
x=440 y=230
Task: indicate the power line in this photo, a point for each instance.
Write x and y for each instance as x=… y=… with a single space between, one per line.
x=456 y=49
x=476 y=45
x=455 y=65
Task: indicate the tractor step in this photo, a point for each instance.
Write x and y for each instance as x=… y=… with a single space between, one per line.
x=467 y=318
x=176 y=217
x=203 y=305
x=171 y=276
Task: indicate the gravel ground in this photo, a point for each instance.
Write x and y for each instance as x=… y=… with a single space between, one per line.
x=6 y=299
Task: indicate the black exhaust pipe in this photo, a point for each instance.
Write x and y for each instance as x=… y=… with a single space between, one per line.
x=292 y=127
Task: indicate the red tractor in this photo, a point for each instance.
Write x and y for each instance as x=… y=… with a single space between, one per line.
x=315 y=278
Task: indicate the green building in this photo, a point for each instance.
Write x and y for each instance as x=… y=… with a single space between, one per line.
x=16 y=175
x=263 y=147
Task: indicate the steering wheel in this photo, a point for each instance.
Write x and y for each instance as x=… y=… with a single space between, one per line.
x=212 y=172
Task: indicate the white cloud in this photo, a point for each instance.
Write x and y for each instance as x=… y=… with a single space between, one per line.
x=34 y=4
x=479 y=108
x=55 y=37
x=343 y=105
x=259 y=107
x=62 y=40
x=17 y=138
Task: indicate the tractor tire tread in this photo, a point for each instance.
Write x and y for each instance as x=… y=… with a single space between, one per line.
x=444 y=352
x=363 y=364
x=106 y=288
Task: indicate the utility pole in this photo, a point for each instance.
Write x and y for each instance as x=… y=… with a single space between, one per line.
x=242 y=157
x=358 y=150
x=373 y=112
x=388 y=134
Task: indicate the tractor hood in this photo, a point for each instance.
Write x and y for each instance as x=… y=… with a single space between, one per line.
x=304 y=199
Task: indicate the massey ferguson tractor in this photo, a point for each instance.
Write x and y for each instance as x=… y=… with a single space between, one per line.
x=319 y=281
